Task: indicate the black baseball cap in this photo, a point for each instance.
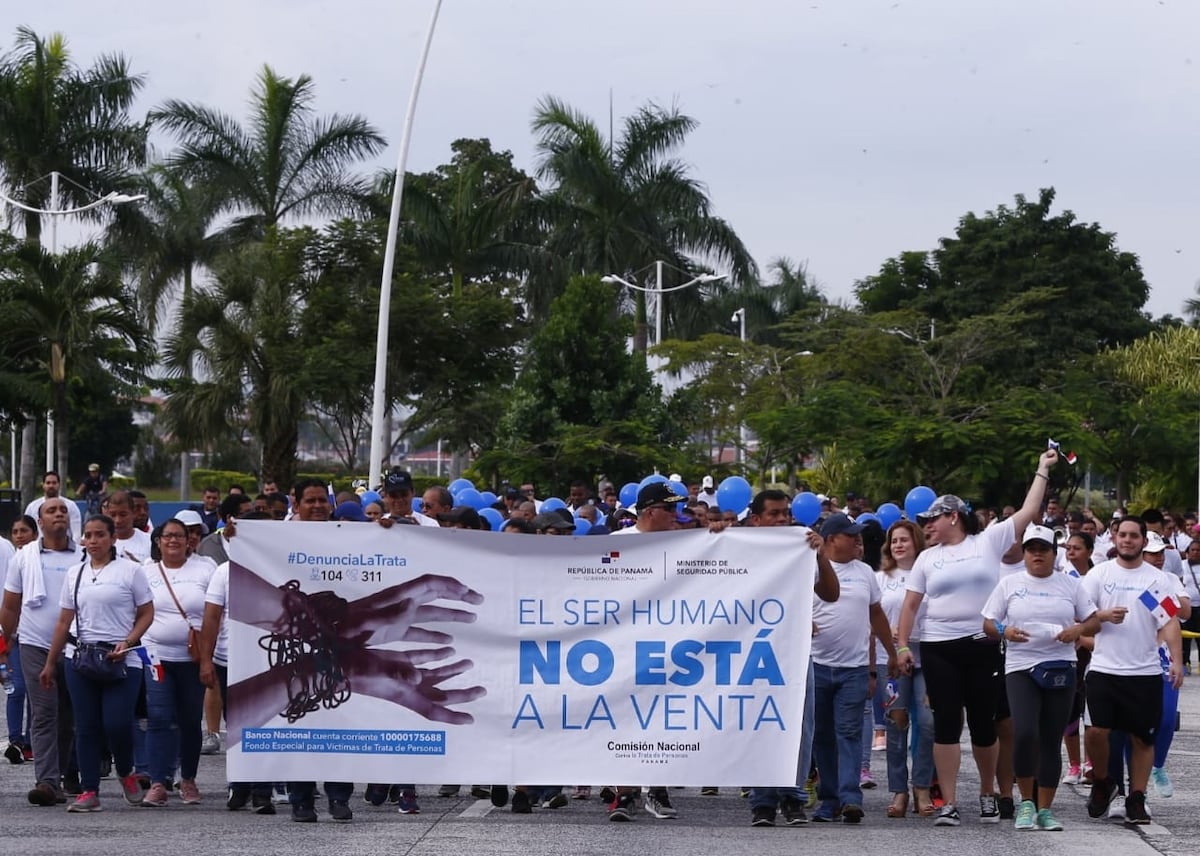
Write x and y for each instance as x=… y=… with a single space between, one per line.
x=658 y=493
x=398 y=480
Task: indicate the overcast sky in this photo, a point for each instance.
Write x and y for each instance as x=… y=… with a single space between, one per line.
x=836 y=132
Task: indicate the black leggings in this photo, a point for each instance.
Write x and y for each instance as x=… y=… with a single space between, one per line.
x=1039 y=717
x=962 y=673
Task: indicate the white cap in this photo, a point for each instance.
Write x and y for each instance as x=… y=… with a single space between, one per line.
x=188 y=517
x=675 y=477
x=706 y=482
x=1154 y=543
x=1033 y=532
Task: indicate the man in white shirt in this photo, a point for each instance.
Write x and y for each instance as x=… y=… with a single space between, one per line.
x=51 y=488
x=844 y=676
x=1124 y=688
x=708 y=493
x=32 y=593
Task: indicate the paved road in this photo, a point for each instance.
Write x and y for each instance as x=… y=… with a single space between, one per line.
x=463 y=826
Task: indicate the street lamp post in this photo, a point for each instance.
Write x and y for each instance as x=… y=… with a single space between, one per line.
x=381 y=439
x=54 y=212
x=740 y=318
x=658 y=291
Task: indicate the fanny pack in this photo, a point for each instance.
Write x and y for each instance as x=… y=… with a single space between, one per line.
x=1054 y=674
x=91 y=660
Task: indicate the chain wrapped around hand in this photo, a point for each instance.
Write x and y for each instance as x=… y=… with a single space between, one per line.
x=306 y=641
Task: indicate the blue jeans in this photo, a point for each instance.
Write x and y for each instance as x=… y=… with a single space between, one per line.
x=177 y=700
x=772 y=797
x=103 y=712
x=841 y=695
x=15 y=708
x=910 y=698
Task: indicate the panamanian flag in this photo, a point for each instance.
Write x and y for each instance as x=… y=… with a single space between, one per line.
x=1160 y=603
x=150 y=663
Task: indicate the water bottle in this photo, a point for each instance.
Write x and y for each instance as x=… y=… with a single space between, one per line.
x=6 y=681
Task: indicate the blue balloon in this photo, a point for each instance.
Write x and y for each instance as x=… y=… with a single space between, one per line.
x=733 y=494
x=918 y=500
x=628 y=494
x=489 y=498
x=653 y=479
x=888 y=514
x=806 y=508
x=371 y=496
x=582 y=526
x=552 y=504
x=494 y=518
x=470 y=497
x=867 y=516
x=417 y=504
x=458 y=485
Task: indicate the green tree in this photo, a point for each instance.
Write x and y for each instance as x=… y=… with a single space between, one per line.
x=1090 y=293
x=71 y=317
x=241 y=336
x=58 y=117
x=469 y=220
x=286 y=163
x=582 y=405
x=167 y=238
x=619 y=205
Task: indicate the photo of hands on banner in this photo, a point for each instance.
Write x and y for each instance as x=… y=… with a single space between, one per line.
x=319 y=649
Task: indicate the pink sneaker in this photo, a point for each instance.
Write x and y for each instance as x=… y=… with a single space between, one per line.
x=865 y=781
x=131 y=790
x=86 y=801
x=189 y=794
x=156 y=796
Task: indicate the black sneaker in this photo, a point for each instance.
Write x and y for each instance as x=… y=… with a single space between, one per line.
x=1008 y=809
x=1103 y=791
x=339 y=810
x=480 y=792
x=622 y=807
x=375 y=794
x=947 y=815
x=607 y=794
x=70 y=784
x=989 y=811
x=793 y=812
x=395 y=792
x=262 y=804
x=304 y=813
x=764 y=816
x=852 y=813
x=238 y=797
x=500 y=796
x=521 y=803
x=1135 y=809
x=14 y=754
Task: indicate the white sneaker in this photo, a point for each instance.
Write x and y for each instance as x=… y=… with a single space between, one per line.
x=1116 y=809
x=210 y=744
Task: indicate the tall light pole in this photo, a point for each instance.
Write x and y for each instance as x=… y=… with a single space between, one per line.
x=54 y=212
x=740 y=318
x=658 y=291
x=381 y=439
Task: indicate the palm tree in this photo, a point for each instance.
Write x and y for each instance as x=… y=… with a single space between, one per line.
x=71 y=316
x=241 y=336
x=286 y=163
x=791 y=289
x=55 y=116
x=167 y=237
x=619 y=205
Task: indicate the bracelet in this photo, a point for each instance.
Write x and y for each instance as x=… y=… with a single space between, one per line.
x=1000 y=628
x=1043 y=475
x=901 y=650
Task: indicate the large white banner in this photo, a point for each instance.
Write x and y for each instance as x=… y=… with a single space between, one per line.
x=365 y=654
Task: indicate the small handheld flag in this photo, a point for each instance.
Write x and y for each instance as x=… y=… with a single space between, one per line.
x=150 y=663
x=1163 y=606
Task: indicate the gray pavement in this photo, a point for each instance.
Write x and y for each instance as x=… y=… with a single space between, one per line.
x=463 y=826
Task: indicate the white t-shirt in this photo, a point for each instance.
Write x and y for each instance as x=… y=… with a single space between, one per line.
x=1172 y=563
x=135 y=548
x=108 y=601
x=38 y=620
x=218 y=593
x=956 y=581
x=1131 y=647
x=1191 y=584
x=169 y=632
x=893 y=588
x=843 y=627
x=1042 y=607
x=74 y=516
